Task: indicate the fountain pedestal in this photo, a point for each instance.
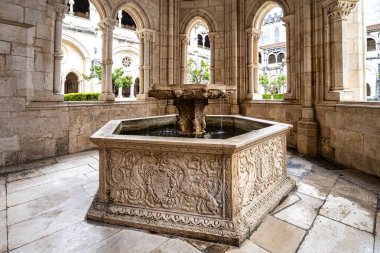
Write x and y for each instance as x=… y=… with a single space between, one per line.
x=191 y=101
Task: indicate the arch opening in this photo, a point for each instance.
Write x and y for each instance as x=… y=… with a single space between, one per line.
x=71 y=83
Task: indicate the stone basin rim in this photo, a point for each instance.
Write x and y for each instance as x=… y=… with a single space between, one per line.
x=106 y=134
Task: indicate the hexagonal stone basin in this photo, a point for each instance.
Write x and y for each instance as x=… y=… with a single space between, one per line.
x=212 y=189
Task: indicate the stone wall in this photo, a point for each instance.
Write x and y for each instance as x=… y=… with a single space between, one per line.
x=350 y=135
x=280 y=111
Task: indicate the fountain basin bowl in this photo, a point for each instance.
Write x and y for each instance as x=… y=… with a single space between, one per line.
x=191 y=91
x=211 y=189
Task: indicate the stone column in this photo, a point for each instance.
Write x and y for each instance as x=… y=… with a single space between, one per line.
x=288 y=22
x=107 y=25
x=253 y=63
x=71 y=3
x=337 y=13
x=211 y=37
x=146 y=37
x=59 y=11
x=120 y=16
x=184 y=47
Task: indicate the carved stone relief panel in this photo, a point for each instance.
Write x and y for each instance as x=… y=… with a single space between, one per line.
x=170 y=181
x=259 y=167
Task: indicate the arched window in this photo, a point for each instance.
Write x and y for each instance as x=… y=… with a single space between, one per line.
x=80 y=8
x=200 y=40
x=126 y=21
x=280 y=57
x=271 y=59
x=207 y=42
x=71 y=83
x=371 y=45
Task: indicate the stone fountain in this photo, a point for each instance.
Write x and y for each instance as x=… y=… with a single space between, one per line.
x=211 y=188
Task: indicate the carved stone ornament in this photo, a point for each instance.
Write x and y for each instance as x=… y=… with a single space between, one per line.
x=107 y=24
x=340 y=10
x=215 y=191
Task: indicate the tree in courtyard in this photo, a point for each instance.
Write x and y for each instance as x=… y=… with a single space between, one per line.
x=198 y=73
x=274 y=85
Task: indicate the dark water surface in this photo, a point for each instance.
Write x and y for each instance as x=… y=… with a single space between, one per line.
x=212 y=132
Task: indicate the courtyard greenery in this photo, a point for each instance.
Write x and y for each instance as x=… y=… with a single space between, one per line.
x=119 y=80
x=199 y=73
x=272 y=86
x=82 y=96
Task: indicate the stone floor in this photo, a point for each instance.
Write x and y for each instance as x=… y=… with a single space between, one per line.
x=43 y=210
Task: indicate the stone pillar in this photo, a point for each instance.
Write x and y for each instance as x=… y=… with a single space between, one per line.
x=146 y=37
x=184 y=47
x=288 y=23
x=120 y=16
x=59 y=11
x=337 y=13
x=71 y=3
x=107 y=25
x=211 y=37
x=253 y=63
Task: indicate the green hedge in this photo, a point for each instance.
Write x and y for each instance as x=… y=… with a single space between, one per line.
x=278 y=96
x=275 y=96
x=266 y=96
x=82 y=96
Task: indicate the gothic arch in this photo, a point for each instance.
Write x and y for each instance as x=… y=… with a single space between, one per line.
x=198 y=16
x=66 y=39
x=103 y=7
x=259 y=10
x=138 y=14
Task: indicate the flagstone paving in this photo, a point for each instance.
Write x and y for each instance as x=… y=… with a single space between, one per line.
x=43 y=210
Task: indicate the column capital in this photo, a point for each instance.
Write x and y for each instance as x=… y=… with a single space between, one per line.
x=339 y=9
x=254 y=33
x=184 y=38
x=58 y=9
x=147 y=35
x=212 y=36
x=107 y=24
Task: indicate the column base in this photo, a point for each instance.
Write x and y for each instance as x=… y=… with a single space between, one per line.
x=307 y=137
x=254 y=96
x=142 y=97
x=106 y=97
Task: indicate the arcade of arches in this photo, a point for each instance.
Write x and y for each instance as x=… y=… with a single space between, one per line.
x=320 y=45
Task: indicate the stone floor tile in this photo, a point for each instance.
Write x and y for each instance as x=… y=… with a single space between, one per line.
x=329 y=236
x=59 y=200
x=301 y=213
x=33 y=229
x=377 y=237
x=47 y=178
x=95 y=165
x=277 y=236
x=289 y=200
x=91 y=188
x=208 y=247
x=22 y=175
x=93 y=176
x=3 y=231
x=176 y=246
x=351 y=205
x=76 y=156
x=43 y=190
x=3 y=194
x=248 y=247
x=79 y=235
x=134 y=241
x=299 y=163
x=366 y=181
x=317 y=184
x=28 y=166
